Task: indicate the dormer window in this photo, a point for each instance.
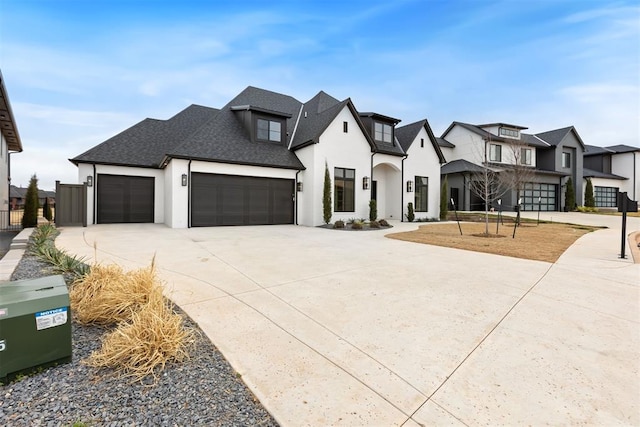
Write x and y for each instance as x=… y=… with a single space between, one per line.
x=269 y=130
x=383 y=132
x=510 y=133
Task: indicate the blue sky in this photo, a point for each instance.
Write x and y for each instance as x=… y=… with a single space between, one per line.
x=78 y=72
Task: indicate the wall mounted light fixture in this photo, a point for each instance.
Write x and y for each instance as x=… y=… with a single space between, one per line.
x=409 y=186
x=365 y=183
x=89 y=181
x=184 y=180
x=299 y=186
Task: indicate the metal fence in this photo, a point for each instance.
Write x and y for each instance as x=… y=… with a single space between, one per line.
x=11 y=220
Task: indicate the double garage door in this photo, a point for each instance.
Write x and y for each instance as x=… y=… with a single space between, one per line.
x=215 y=200
x=240 y=200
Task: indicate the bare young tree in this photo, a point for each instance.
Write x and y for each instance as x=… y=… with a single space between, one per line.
x=487 y=183
x=520 y=171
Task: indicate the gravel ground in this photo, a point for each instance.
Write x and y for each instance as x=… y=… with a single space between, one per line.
x=204 y=390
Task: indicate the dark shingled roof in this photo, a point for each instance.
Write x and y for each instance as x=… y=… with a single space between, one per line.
x=146 y=143
x=408 y=133
x=592 y=150
x=460 y=166
x=619 y=149
x=444 y=143
x=533 y=141
x=475 y=129
x=590 y=173
x=317 y=114
x=225 y=139
x=554 y=137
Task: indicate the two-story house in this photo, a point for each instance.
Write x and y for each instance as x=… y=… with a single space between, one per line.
x=537 y=166
x=261 y=159
x=9 y=143
x=612 y=169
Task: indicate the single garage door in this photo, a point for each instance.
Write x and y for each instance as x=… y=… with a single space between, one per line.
x=240 y=200
x=540 y=196
x=125 y=199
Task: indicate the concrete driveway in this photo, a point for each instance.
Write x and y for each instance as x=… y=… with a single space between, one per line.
x=351 y=328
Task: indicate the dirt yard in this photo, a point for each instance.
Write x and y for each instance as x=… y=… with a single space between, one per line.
x=544 y=242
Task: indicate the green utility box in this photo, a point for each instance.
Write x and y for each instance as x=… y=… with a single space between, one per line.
x=35 y=325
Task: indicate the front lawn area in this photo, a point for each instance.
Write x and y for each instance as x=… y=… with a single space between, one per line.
x=544 y=242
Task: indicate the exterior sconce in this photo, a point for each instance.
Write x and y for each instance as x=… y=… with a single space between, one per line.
x=184 y=180
x=89 y=181
x=409 y=186
x=365 y=183
x=299 y=186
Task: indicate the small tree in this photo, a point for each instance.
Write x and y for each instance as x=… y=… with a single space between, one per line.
x=326 y=196
x=46 y=209
x=589 y=200
x=373 y=210
x=30 y=216
x=569 y=196
x=410 y=215
x=444 y=200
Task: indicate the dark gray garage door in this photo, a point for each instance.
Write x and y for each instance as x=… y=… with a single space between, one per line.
x=240 y=200
x=125 y=199
x=542 y=196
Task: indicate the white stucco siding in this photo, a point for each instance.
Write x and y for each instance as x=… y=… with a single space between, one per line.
x=343 y=150
x=85 y=170
x=4 y=174
x=423 y=161
x=176 y=195
x=469 y=146
x=310 y=189
x=628 y=166
x=387 y=172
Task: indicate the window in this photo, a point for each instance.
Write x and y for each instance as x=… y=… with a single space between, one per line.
x=344 y=189
x=382 y=132
x=421 y=142
x=566 y=160
x=539 y=196
x=422 y=194
x=269 y=130
x=345 y=127
x=606 y=197
x=495 y=153
x=525 y=156
x=509 y=132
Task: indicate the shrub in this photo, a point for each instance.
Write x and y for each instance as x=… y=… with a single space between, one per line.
x=410 y=215
x=587 y=209
x=326 y=196
x=30 y=216
x=383 y=223
x=374 y=224
x=569 y=196
x=373 y=210
x=444 y=201
x=357 y=225
x=589 y=200
x=351 y=220
x=338 y=224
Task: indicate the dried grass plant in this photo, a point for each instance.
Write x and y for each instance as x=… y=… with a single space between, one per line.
x=142 y=346
x=108 y=295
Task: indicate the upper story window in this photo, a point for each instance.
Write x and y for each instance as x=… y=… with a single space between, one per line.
x=511 y=133
x=495 y=153
x=525 y=156
x=345 y=127
x=566 y=160
x=383 y=132
x=269 y=130
x=421 y=142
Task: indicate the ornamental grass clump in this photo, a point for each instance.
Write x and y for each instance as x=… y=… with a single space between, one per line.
x=108 y=295
x=143 y=345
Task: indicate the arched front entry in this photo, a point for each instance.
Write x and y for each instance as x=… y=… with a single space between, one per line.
x=386 y=189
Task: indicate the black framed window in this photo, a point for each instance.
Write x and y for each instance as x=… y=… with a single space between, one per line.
x=345 y=127
x=421 y=142
x=269 y=130
x=539 y=196
x=495 y=153
x=566 y=160
x=344 y=190
x=383 y=132
x=422 y=194
x=525 y=156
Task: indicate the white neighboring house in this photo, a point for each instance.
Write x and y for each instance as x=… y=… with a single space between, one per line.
x=9 y=143
x=258 y=160
x=612 y=169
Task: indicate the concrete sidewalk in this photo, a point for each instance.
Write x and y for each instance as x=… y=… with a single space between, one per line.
x=351 y=328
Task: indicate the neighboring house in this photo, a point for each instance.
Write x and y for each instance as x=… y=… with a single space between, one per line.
x=261 y=159
x=548 y=158
x=9 y=143
x=17 y=197
x=612 y=169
